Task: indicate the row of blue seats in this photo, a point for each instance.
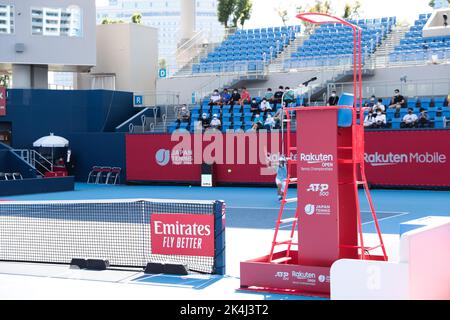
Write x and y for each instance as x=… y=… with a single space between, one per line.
x=296 y=28
x=347 y=30
x=319 y=61
x=425 y=41
x=333 y=49
x=262 y=36
x=433 y=45
x=238 y=65
x=418 y=55
x=264 y=42
x=363 y=22
x=344 y=36
x=247 y=55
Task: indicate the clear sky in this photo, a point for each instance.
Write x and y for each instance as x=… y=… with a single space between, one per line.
x=264 y=11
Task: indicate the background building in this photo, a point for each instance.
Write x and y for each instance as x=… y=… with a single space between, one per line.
x=38 y=36
x=165 y=15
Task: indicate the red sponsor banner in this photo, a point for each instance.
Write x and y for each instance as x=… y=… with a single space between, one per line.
x=408 y=158
x=239 y=158
x=182 y=234
x=393 y=158
x=2 y=101
x=317 y=173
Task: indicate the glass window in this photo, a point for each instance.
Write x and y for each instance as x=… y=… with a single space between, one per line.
x=6 y=19
x=67 y=22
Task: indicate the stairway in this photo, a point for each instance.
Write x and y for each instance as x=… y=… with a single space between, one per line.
x=278 y=63
x=381 y=56
x=186 y=70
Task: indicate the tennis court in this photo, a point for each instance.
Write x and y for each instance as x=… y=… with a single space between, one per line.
x=250 y=221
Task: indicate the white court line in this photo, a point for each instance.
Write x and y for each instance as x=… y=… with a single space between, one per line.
x=395 y=216
x=259 y=208
x=289 y=227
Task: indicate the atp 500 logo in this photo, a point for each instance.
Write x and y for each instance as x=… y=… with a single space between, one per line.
x=322 y=189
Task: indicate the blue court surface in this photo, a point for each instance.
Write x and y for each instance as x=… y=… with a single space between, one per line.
x=250 y=219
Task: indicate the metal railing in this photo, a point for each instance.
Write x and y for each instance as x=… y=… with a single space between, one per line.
x=158 y=98
x=191 y=48
x=36 y=160
x=417 y=88
x=59 y=87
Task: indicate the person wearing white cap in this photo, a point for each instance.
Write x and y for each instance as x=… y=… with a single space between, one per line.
x=281 y=177
x=205 y=121
x=215 y=122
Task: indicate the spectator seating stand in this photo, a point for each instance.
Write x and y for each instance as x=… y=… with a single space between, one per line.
x=104 y=175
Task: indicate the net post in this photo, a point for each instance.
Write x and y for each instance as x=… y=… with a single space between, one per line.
x=219 y=230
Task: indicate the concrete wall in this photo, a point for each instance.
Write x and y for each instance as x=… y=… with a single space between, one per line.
x=430 y=80
x=421 y=81
x=130 y=51
x=49 y=50
x=435 y=25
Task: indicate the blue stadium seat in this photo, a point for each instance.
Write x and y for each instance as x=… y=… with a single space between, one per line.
x=345 y=115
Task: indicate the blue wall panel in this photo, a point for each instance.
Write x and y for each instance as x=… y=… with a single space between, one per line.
x=36 y=113
x=97 y=149
x=37 y=185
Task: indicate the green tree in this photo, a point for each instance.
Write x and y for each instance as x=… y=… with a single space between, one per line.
x=432 y=2
x=110 y=21
x=242 y=12
x=162 y=63
x=352 y=11
x=136 y=18
x=320 y=6
x=4 y=80
x=245 y=11
x=225 y=9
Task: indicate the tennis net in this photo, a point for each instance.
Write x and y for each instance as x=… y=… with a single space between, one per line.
x=127 y=233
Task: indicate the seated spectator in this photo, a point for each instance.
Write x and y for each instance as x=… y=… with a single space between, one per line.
x=269 y=124
x=447 y=101
x=334 y=99
x=289 y=96
x=265 y=106
x=424 y=119
x=372 y=102
x=60 y=163
x=254 y=107
x=215 y=122
x=235 y=97
x=214 y=100
x=183 y=115
x=409 y=120
x=225 y=97
x=379 y=105
x=369 y=119
x=278 y=96
x=257 y=123
x=397 y=101
x=205 y=121
x=245 y=97
x=269 y=95
x=380 y=120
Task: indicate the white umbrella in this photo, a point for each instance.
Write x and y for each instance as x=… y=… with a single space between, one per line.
x=51 y=141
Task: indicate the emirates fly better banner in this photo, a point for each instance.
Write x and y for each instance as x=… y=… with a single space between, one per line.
x=183 y=234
